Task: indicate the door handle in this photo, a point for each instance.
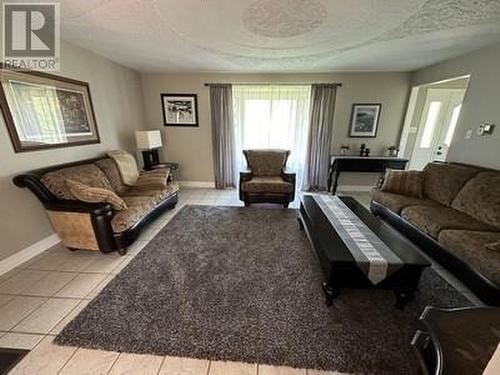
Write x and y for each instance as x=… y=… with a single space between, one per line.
x=439 y=153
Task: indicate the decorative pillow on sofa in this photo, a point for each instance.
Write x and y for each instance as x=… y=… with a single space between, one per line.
x=409 y=183
x=87 y=174
x=90 y=194
x=154 y=179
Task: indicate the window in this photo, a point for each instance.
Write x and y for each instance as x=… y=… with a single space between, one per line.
x=272 y=116
x=430 y=124
x=453 y=125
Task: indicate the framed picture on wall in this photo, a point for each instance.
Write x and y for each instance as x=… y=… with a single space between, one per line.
x=364 y=120
x=44 y=111
x=180 y=109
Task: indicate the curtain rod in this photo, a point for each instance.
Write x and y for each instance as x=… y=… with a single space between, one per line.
x=275 y=84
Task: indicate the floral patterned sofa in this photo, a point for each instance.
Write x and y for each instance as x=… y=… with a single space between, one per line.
x=454 y=217
x=91 y=208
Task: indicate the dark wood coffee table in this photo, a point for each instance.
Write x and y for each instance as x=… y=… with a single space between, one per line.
x=340 y=268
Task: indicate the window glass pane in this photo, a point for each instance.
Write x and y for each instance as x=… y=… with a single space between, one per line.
x=430 y=124
x=453 y=124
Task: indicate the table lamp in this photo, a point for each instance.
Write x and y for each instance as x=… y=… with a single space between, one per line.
x=149 y=141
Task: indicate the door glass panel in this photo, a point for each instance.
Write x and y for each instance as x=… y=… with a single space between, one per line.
x=453 y=124
x=430 y=124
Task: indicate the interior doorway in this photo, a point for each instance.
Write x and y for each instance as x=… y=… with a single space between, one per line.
x=432 y=117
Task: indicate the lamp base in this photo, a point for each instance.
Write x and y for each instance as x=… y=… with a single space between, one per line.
x=151 y=158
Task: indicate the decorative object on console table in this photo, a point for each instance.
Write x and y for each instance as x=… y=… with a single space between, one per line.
x=180 y=109
x=373 y=164
x=149 y=141
x=44 y=111
x=364 y=120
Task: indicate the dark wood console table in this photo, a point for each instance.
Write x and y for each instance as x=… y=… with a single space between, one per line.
x=351 y=163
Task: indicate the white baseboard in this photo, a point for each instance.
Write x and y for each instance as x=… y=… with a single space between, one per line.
x=26 y=254
x=354 y=188
x=198 y=184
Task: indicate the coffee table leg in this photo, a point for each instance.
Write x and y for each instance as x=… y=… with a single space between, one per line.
x=301 y=224
x=331 y=292
x=403 y=296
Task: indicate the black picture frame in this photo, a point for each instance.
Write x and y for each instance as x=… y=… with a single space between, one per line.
x=189 y=100
x=368 y=127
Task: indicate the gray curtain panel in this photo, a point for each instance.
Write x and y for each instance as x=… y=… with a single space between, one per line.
x=221 y=107
x=322 y=109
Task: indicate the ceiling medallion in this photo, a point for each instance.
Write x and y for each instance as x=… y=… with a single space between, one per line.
x=284 y=18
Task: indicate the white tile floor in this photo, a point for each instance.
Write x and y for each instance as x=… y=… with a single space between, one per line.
x=41 y=296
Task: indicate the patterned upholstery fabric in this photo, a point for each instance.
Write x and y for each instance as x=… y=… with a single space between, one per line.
x=494 y=246
x=156 y=178
x=480 y=198
x=266 y=162
x=138 y=207
x=157 y=194
x=432 y=219
x=396 y=202
x=471 y=246
x=126 y=165
x=442 y=182
x=90 y=194
x=139 y=202
x=267 y=185
x=409 y=183
x=88 y=174
x=110 y=169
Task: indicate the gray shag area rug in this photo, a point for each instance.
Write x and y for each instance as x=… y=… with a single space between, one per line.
x=243 y=284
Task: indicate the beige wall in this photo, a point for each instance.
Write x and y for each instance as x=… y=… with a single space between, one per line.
x=481 y=103
x=117 y=98
x=192 y=147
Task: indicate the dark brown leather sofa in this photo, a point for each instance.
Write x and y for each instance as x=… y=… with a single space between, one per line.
x=456 y=222
x=97 y=226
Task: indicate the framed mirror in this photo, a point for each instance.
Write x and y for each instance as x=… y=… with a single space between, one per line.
x=44 y=111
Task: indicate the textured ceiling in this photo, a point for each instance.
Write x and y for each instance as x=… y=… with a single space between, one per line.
x=280 y=35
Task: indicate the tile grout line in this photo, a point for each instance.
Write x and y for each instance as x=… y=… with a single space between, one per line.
x=114 y=362
x=161 y=364
x=67 y=361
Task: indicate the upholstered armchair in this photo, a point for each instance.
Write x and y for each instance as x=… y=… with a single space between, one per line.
x=266 y=180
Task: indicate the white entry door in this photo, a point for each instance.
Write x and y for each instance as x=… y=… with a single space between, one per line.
x=437 y=126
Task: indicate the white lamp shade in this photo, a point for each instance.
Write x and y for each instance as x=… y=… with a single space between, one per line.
x=148 y=139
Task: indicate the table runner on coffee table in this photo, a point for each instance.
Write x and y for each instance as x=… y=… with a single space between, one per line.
x=372 y=255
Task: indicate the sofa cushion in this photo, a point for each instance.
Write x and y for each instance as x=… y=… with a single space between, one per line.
x=157 y=194
x=409 y=183
x=442 y=182
x=480 y=198
x=396 y=202
x=127 y=166
x=110 y=169
x=87 y=174
x=433 y=219
x=266 y=162
x=90 y=194
x=267 y=185
x=138 y=207
x=156 y=178
x=472 y=247
x=140 y=203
